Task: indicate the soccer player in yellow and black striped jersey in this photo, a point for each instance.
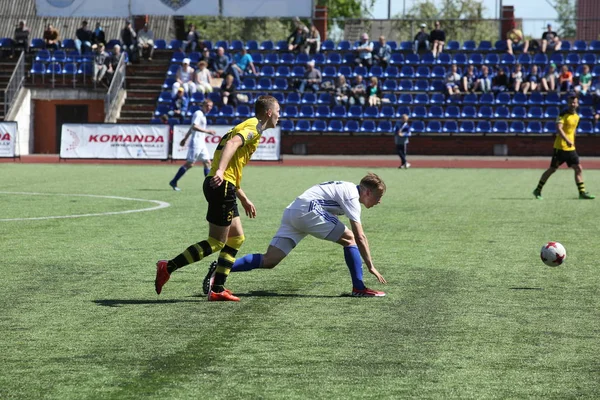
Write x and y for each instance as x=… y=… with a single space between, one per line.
x=564 y=150
x=221 y=188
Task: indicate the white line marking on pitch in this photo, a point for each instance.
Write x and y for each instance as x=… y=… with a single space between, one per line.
x=160 y=204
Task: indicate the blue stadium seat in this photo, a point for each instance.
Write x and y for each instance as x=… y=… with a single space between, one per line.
x=491 y=59
x=552 y=98
x=549 y=127
x=344 y=45
x=503 y=98
x=368 y=126
x=438 y=72
x=597 y=128
x=406 y=46
x=517 y=127
x=536 y=98
x=565 y=46
x=437 y=98
x=252 y=45
x=535 y=112
x=166 y=97
x=287 y=125
x=467 y=127
x=329 y=72
x=348 y=58
x=450 y=127
x=459 y=59
x=397 y=59
x=272 y=58
x=501 y=112
x=280 y=84
x=319 y=125
x=518 y=112
x=444 y=59
x=551 y=112
x=309 y=98
x=59 y=56
x=249 y=84
x=298 y=71
x=483 y=127
x=390 y=85
x=573 y=59
x=376 y=71
x=485 y=112
x=470 y=98
x=475 y=59
x=487 y=99
x=351 y=126
x=257 y=58
x=387 y=111
x=290 y=111
x=452 y=112
x=434 y=127
x=174 y=44
x=452 y=45
x=407 y=72
x=287 y=59
x=507 y=59
x=54 y=68
x=156 y=121
x=469 y=45
x=371 y=112
x=402 y=110
x=360 y=71
x=324 y=98
x=334 y=58
x=167 y=84
x=500 y=45
x=557 y=58
x=418 y=126
x=267 y=70
x=469 y=112
x=338 y=112
x=422 y=85
x=328 y=45
x=589 y=58
x=293 y=98
x=335 y=125
x=484 y=46
x=519 y=99
x=586 y=113
x=172 y=71
x=323 y=112
x=423 y=72
x=345 y=70
x=307 y=111
x=428 y=59
x=421 y=98
x=226 y=111
x=436 y=112
x=385 y=127
x=579 y=45
x=267 y=45
x=391 y=72
x=390 y=98
x=534 y=127
x=194 y=58
x=540 y=59
x=161 y=109
x=393 y=44
x=68 y=44
x=243 y=111
x=419 y=112
x=594 y=46
x=43 y=56
x=85 y=69
x=278 y=95
x=37 y=43
x=405 y=98
x=355 y=112
x=236 y=45
x=500 y=127
x=282 y=70
x=302 y=125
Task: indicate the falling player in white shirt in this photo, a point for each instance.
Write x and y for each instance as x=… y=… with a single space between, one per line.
x=314 y=213
x=197 y=150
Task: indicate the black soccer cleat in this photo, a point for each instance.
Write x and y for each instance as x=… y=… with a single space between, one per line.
x=206 y=283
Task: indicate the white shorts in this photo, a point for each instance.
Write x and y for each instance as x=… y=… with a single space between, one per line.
x=296 y=224
x=197 y=154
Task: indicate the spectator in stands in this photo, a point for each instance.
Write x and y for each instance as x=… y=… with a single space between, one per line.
x=219 y=64
x=312 y=78
x=532 y=80
x=585 y=81
x=129 y=40
x=185 y=79
x=468 y=80
x=313 y=41
x=402 y=133
x=51 y=37
x=565 y=80
x=240 y=65
x=203 y=78
x=549 y=80
x=83 y=41
x=98 y=35
x=438 y=39
x=517 y=77
x=228 y=91
x=146 y=42
x=383 y=54
x=514 y=37
x=500 y=81
x=422 y=40
x=550 y=39
x=192 y=40
x=484 y=81
x=452 y=81
x=300 y=24
x=343 y=92
x=179 y=105
x=297 y=40
x=113 y=62
x=364 y=51
x=374 y=92
x=205 y=56
x=100 y=62
x=359 y=91
x=21 y=38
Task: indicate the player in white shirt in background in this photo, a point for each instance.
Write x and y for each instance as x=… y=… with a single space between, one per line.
x=197 y=150
x=314 y=213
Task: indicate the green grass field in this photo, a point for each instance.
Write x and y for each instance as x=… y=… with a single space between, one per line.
x=471 y=311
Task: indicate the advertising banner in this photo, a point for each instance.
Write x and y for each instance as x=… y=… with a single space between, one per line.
x=8 y=138
x=268 y=149
x=125 y=8
x=267 y=8
x=114 y=141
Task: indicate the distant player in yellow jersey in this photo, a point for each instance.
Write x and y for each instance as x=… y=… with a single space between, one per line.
x=221 y=188
x=564 y=150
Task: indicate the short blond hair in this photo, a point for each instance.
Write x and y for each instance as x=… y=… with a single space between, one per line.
x=263 y=104
x=373 y=183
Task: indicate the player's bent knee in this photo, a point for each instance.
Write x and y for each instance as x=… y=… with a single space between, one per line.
x=347 y=238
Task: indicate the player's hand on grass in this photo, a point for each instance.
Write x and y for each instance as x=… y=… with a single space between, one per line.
x=380 y=278
x=249 y=208
x=217 y=180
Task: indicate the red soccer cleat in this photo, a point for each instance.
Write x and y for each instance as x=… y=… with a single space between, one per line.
x=366 y=292
x=211 y=280
x=225 y=295
x=162 y=275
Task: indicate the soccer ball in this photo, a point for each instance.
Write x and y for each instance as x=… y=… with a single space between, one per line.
x=553 y=254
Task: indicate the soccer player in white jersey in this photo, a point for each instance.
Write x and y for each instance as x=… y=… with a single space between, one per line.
x=314 y=213
x=197 y=150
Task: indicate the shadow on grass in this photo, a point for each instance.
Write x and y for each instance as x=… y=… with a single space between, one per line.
x=119 y=303
x=526 y=288
x=263 y=293
x=514 y=198
x=155 y=190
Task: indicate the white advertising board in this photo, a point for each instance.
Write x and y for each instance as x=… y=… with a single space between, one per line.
x=114 y=141
x=268 y=149
x=8 y=138
x=125 y=8
x=267 y=8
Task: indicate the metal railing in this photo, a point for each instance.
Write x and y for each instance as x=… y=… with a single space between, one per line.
x=14 y=84
x=117 y=83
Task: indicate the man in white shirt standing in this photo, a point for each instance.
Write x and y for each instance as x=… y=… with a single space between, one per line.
x=197 y=150
x=315 y=213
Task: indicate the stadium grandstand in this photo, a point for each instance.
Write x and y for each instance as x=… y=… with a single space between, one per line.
x=412 y=83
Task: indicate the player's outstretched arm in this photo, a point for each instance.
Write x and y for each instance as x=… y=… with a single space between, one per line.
x=246 y=203
x=228 y=151
x=363 y=247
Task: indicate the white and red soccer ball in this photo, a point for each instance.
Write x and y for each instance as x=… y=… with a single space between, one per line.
x=553 y=254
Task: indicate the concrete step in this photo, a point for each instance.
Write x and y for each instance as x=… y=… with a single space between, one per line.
x=142 y=94
x=137 y=114
x=137 y=107
x=129 y=120
x=141 y=101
